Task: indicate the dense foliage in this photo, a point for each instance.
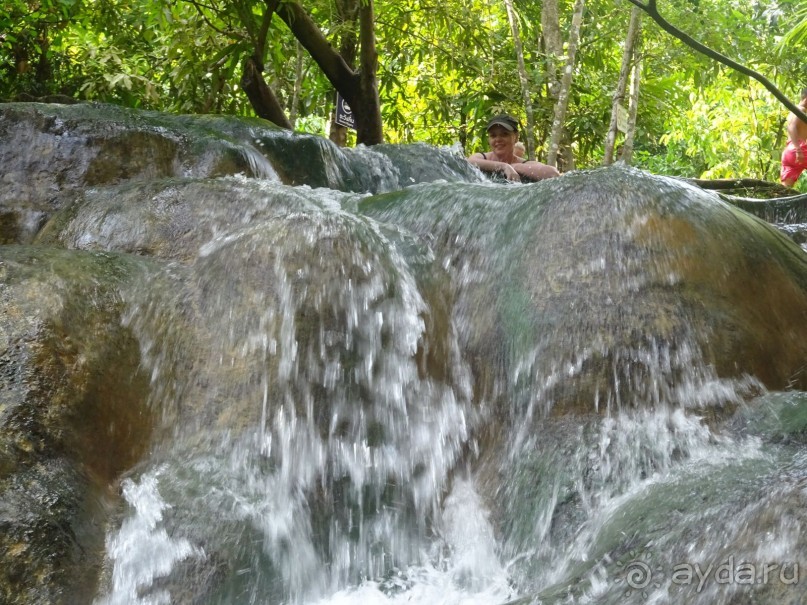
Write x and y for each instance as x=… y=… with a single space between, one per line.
x=443 y=67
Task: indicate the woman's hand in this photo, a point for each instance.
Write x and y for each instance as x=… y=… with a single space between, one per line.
x=510 y=172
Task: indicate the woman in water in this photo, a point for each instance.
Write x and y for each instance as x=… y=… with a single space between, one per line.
x=501 y=159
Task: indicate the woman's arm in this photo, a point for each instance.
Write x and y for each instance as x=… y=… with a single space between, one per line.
x=486 y=165
x=794 y=127
x=536 y=171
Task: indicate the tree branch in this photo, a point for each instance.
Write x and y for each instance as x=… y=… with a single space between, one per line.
x=369 y=131
x=227 y=33
x=329 y=61
x=263 y=31
x=652 y=11
x=261 y=97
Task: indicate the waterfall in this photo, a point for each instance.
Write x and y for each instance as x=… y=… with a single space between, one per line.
x=243 y=366
x=284 y=363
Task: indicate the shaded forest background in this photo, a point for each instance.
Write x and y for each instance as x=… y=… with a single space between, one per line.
x=436 y=69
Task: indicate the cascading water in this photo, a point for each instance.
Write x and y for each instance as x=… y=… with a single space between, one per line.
x=301 y=423
x=313 y=455
x=585 y=390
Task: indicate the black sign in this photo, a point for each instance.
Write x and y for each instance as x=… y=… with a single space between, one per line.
x=344 y=116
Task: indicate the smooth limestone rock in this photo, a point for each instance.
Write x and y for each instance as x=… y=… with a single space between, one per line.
x=50 y=152
x=72 y=418
x=202 y=324
x=174 y=218
x=605 y=314
x=604 y=289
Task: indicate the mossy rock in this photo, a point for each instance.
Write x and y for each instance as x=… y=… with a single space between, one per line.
x=72 y=418
x=606 y=288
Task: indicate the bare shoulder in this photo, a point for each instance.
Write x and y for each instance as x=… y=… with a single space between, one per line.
x=793 y=118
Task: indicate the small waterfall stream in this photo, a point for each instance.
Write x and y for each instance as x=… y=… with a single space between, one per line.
x=396 y=383
x=298 y=417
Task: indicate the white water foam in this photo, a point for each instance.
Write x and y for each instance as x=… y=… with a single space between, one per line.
x=142 y=550
x=464 y=569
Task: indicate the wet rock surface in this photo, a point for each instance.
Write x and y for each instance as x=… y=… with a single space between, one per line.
x=217 y=307
x=50 y=153
x=72 y=418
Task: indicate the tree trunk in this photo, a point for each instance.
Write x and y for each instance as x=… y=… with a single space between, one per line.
x=529 y=142
x=565 y=84
x=298 y=85
x=622 y=83
x=360 y=90
x=347 y=12
x=369 y=130
x=260 y=95
x=263 y=100
x=463 y=130
x=627 y=148
x=566 y=159
x=552 y=45
x=337 y=133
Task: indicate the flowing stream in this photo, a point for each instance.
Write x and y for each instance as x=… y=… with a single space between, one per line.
x=453 y=392
x=313 y=456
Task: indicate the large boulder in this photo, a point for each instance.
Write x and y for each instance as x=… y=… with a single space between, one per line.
x=72 y=418
x=604 y=290
x=51 y=152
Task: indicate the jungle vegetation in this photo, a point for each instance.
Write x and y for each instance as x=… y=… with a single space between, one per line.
x=432 y=71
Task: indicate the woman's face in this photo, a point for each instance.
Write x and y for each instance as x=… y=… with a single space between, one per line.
x=501 y=140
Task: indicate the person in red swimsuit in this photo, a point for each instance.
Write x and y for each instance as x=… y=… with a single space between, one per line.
x=794 y=157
